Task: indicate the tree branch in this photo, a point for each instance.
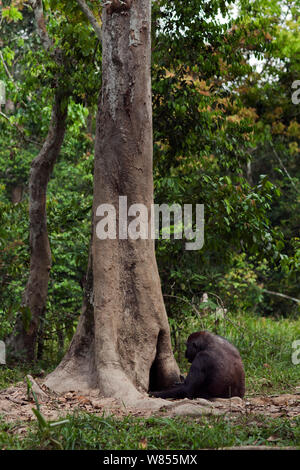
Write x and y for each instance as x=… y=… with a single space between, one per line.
x=55 y=53
x=281 y=295
x=38 y=9
x=18 y=128
x=184 y=300
x=281 y=163
x=6 y=68
x=91 y=18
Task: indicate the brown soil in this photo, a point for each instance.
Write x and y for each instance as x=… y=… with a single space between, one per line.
x=16 y=405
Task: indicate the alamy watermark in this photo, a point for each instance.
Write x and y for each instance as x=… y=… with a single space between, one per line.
x=296 y=93
x=2 y=93
x=296 y=353
x=2 y=353
x=136 y=223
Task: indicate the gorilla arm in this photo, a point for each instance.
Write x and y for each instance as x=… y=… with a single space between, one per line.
x=192 y=385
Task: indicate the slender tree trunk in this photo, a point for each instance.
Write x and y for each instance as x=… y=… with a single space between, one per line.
x=40 y=338
x=60 y=341
x=249 y=173
x=34 y=299
x=125 y=348
x=16 y=194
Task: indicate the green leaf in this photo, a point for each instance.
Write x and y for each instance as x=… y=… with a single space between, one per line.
x=41 y=420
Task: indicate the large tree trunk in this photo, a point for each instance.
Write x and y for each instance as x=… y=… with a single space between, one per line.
x=24 y=338
x=125 y=348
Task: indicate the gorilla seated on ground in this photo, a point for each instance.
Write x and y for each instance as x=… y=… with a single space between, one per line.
x=216 y=372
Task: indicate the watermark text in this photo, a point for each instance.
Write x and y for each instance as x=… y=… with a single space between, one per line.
x=2 y=93
x=296 y=93
x=2 y=353
x=137 y=222
x=296 y=353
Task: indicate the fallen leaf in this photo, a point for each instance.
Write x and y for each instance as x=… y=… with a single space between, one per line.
x=143 y=443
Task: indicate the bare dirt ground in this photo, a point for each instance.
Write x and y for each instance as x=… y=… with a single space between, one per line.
x=16 y=405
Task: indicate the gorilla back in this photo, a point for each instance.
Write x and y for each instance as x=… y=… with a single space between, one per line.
x=216 y=372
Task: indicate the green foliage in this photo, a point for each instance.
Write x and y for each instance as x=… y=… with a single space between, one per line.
x=239 y=288
x=214 y=121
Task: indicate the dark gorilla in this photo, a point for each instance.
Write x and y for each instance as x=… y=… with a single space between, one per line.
x=216 y=371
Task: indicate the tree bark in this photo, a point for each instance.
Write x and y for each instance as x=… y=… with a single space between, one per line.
x=34 y=299
x=125 y=348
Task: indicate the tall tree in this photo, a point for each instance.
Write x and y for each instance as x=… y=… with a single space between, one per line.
x=35 y=296
x=124 y=348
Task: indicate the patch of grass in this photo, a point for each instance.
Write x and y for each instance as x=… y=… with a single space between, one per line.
x=84 y=431
x=266 y=348
x=13 y=373
x=8 y=437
